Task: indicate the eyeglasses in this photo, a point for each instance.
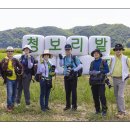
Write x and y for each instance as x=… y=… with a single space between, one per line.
x=10 y=51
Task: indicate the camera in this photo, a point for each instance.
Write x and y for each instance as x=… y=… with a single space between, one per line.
x=107 y=81
x=70 y=73
x=9 y=73
x=53 y=67
x=69 y=68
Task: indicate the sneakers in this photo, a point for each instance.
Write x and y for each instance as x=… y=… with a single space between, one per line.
x=47 y=108
x=17 y=104
x=66 y=108
x=9 y=109
x=121 y=115
x=43 y=109
x=74 y=108
x=104 y=113
x=97 y=112
x=27 y=106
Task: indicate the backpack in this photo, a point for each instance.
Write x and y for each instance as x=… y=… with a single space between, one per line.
x=97 y=79
x=80 y=71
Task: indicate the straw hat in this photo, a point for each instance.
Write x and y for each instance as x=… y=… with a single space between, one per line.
x=46 y=52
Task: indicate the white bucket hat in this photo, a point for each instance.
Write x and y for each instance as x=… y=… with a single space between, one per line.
x=27 y=46
x=9 y=48
x=46 y=52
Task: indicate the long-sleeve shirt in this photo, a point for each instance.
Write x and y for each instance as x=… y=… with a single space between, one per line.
x=69 y=61
x=44 y=68
x=96 y=66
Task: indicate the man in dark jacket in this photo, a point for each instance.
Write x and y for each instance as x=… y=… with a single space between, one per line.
x=98 y=70
x=11 y=69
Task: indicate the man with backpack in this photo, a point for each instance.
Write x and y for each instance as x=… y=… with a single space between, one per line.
x=98 y=70
x=11 y=69
x=27 y=62
x=72 y=69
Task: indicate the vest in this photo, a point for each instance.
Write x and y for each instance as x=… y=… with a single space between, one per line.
x=125 y=69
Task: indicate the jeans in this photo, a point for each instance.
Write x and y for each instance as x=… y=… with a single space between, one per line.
x=11 y=92
x=44 y=94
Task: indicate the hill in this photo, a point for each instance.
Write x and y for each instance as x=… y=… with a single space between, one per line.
x=117 y=32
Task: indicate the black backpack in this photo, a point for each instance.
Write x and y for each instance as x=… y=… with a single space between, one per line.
x=80 y=71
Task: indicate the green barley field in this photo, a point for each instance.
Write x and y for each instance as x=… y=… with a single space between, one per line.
x=85 y=110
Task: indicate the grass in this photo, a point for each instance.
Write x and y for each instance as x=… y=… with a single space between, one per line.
x=57 y=102
x=85 y=110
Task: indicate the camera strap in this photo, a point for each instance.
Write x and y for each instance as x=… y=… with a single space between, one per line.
x=44 y=67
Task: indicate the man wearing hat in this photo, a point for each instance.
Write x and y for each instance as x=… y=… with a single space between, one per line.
x=98 y=70
x=27 y=62
x=119 y=70
x=71 y=68
x=10 y=70
x=46 y=70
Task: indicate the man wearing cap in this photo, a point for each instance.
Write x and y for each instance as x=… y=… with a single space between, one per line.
x=27 y=61
x=11 y=69
x=98 y=69
x=119 y=70
x=70 y=76
x=46 y=70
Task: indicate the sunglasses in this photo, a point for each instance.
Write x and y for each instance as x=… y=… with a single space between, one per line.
x=118 y=49
x=67 y=49
x=10 y=51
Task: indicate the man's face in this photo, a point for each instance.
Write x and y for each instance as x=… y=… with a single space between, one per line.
x=10 y=53
x=68 y=51
x=118 y=52
x=96 y=55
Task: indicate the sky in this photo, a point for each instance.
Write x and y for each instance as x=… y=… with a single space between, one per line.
x=62 y=18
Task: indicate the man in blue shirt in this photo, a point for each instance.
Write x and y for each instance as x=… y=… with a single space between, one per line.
x=98 y=69
x=70 y=76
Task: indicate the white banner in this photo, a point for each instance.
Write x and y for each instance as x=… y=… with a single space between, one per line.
x=36 y=42
x=79 y=45
x=55 y=44
x=103 y=43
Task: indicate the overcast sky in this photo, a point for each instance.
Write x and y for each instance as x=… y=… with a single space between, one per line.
x=63 y=18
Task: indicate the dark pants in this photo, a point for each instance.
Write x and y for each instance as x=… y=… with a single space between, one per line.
x=24 y=84
x=11 y=92
x=71 y=87
x=44 y=94
x=98 y=92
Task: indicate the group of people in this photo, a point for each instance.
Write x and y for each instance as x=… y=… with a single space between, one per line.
x=17 y=75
